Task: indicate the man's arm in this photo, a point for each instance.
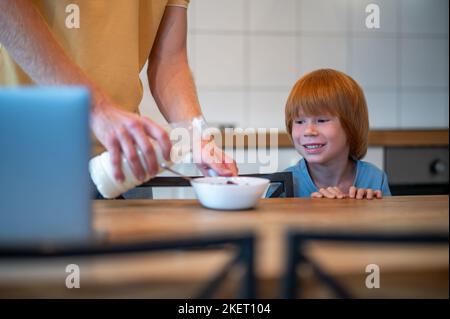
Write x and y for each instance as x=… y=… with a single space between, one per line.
x=169 y=75
x=172 y=84
x=26 y=36
x=29 y=41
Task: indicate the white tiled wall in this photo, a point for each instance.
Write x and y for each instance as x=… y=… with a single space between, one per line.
x=271 y=16
x=424 y=63
x=422 y=109
x=269 y=107
x=382 y=108
x=323 y=15
x=215 y=15
x=424 y=16
x=219 y=60
x=373 y=62
x=272 y=60
x=247 y=54
x=226 y=108
x=314 y=53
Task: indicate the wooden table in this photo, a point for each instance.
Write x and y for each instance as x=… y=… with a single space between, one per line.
x=120 y=221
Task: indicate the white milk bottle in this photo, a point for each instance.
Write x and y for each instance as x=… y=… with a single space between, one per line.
x=101 y=172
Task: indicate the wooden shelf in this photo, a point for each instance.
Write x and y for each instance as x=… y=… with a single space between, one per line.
x=409 y=138
x=382 y=138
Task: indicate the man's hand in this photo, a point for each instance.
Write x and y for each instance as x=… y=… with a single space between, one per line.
x=125 y=132
x=212 y=157
x=354 y=193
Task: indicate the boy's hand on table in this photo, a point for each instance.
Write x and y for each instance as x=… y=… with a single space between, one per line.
x=353 y=193
x=361 y=193
x=329 y=192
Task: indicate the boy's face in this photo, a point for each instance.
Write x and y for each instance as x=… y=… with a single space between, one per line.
x=320 y=139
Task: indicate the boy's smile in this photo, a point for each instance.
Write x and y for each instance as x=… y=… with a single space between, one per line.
x=313 y=148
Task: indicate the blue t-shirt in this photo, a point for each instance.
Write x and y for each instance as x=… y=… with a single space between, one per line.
x=367 y=176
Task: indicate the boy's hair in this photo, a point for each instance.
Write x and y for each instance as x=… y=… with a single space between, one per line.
x=328 y=91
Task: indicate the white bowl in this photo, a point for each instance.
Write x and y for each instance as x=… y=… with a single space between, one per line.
x=215 y=193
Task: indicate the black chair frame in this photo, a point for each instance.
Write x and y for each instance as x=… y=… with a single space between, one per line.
x=244 y=255
x=284 y=178
x=297 y=239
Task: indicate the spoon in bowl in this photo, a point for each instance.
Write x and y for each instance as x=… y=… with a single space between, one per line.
x=168 y=168
x=190 y=179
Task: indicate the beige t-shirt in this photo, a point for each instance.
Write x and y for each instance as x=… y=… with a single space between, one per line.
x=111 y=45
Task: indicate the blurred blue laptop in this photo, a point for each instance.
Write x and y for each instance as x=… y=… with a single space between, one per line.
x=44 y=183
